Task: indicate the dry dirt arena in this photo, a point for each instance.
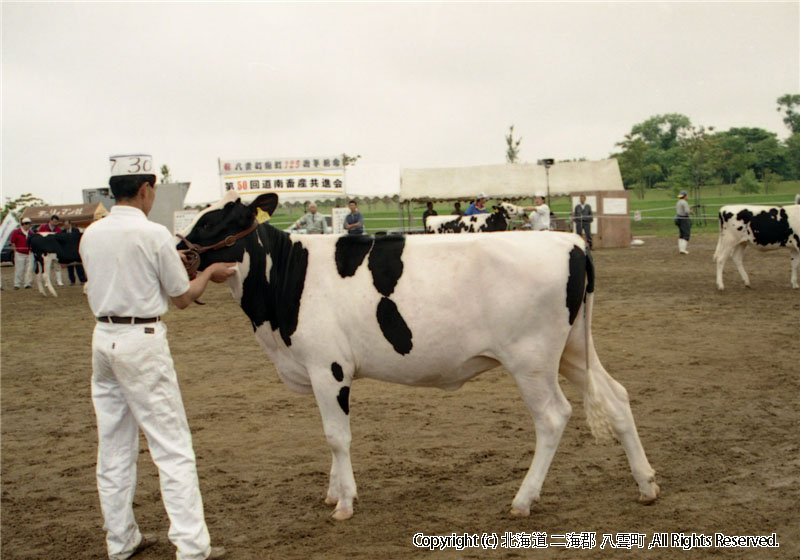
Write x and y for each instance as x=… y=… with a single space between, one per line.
x=713 y=381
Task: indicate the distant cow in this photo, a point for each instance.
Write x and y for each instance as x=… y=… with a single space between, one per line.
x=328 y=310
x=766 y=227
x=493 y=221
x=47 y=248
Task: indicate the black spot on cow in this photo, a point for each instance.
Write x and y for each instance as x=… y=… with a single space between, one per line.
x=497 y=221
x=278 y=299
x=338 y=374
x=394 y=327
x=350 y=253
x=386 y=264
x=769 y=227
x=725 y=216
x=579 y=270
x=344 y=399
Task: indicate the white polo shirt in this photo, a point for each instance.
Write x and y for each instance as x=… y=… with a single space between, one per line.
x=540 y=219
x=131 y=264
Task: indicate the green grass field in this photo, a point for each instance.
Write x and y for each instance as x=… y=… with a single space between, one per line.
x=657 y=209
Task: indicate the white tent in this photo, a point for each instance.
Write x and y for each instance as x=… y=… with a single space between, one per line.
x=517 y=180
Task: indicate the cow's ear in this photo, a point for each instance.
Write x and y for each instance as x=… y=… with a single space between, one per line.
x=265 y=202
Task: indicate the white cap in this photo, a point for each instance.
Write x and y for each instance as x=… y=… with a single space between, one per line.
x=540 y=194
x=480 y=196
x=134 y=164
x=26 y=220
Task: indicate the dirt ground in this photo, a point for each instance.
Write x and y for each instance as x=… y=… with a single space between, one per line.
x=713 y=381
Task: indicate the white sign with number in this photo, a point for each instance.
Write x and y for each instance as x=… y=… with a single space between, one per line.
x=338 y=214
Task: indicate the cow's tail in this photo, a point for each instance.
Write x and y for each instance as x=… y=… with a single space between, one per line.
x=597 y=409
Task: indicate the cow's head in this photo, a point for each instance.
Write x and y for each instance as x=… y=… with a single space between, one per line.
x=511 y=210
x=225 y=220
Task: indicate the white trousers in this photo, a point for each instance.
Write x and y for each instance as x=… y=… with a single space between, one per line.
x=23 y=269
x=134 y=385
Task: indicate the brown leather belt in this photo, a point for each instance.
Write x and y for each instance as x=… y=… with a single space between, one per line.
x=128 y=320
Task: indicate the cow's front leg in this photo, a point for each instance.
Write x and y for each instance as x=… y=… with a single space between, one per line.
x=332 y=392
x=795 y=263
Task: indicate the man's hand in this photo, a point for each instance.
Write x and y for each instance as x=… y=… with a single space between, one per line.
x=221 y=271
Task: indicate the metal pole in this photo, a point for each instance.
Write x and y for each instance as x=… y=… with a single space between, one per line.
x=547 y=176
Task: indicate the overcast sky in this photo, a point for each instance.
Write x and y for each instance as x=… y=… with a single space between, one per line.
x=416 y=84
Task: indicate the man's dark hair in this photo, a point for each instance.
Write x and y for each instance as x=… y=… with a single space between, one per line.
x=54 y=217
x=353 y=202
x=126 y=186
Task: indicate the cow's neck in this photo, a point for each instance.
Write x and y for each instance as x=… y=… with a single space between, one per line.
x=272 y=289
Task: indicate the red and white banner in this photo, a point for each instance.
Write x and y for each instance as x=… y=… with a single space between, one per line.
x=300 y=175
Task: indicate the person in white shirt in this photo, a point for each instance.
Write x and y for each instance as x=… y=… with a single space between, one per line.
x=540 y=213
x=133 y=270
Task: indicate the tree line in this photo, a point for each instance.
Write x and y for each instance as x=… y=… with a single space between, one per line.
x=669 y=152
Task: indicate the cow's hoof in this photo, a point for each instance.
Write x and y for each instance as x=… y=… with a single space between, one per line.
x=652 y=497
x=331 y=500
x=518 y=512
x=341 y=514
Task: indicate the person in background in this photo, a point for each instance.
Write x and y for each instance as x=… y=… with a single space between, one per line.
x=457 y=211
x=312 y=222
x=77 y=267
x=429 y=212
x=134 y=271
x=583 y=220
x=684 y=223
x=53 y=227
x=354 y=221
x=540 y=213
x=477 y=207
x=23 y=260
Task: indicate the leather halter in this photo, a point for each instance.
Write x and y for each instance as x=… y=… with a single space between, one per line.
x=194 y=252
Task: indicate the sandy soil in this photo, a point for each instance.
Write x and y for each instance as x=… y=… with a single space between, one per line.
x=713 y=380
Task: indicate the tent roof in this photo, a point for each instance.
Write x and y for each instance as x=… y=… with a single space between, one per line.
x=77 y=213
x=511 y=180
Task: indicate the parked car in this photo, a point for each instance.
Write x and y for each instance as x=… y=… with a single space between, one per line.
x=7 y=254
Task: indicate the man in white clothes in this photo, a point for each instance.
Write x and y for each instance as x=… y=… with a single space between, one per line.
x=540 y=213
x=133 y=270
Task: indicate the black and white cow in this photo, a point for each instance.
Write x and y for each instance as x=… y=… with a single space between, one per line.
x=48 y=248
x=390 y=306
x=766 y=227
x=493 y=221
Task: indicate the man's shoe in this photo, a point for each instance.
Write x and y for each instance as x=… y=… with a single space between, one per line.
x=146 y=542
x=27 y=287
x=216 y=553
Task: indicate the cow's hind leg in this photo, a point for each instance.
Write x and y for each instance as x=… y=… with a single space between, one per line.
x=538 y=383
x=721 y=256
x=738 y=258
x=795 y=263
x=332 y=392
x=607 y=405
